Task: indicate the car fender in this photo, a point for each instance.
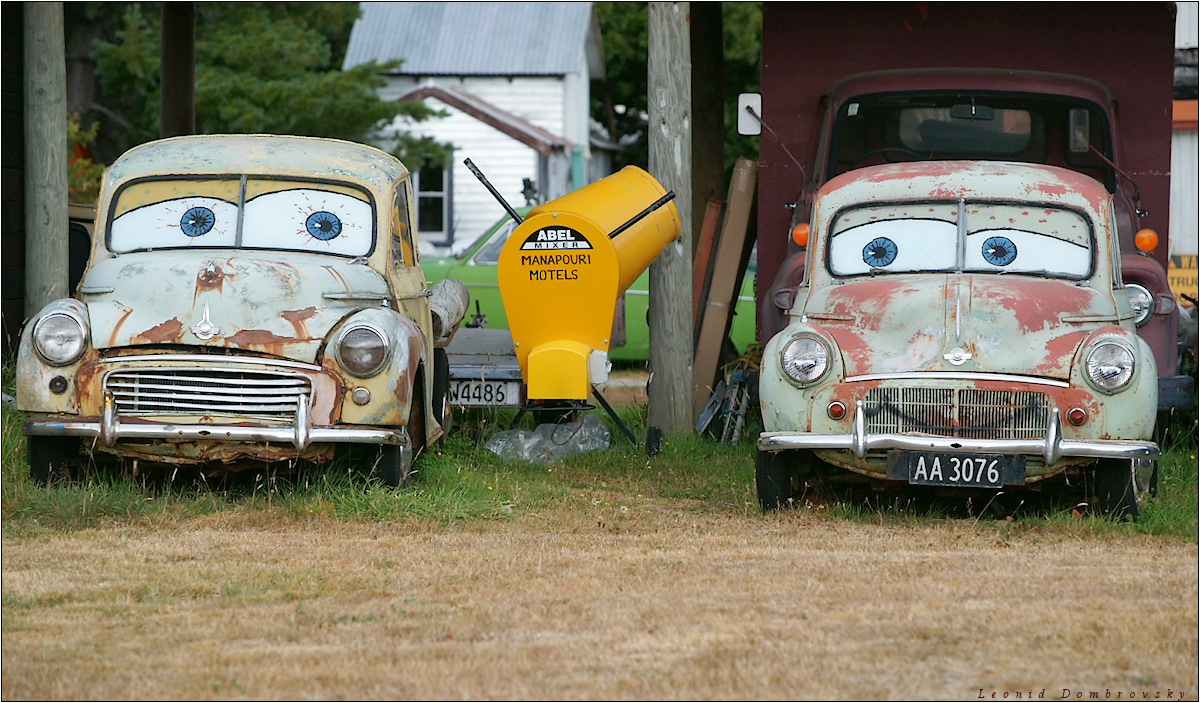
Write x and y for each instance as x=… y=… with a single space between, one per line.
x=34 y=374
x=391 y=388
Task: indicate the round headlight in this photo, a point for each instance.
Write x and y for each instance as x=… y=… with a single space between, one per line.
x=805 y=359
x=1141 y=301
x=1110 y=366
x=60 y=338
x=363 y=350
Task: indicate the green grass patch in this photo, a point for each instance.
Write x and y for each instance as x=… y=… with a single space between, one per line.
x=460 y=480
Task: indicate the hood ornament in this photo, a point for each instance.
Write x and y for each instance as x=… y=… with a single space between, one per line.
x=957 y=356
x=205 y=329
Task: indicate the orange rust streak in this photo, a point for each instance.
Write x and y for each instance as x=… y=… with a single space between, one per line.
x=260 y=338
x=297 y=318
x=112 y=340
x=169 y=331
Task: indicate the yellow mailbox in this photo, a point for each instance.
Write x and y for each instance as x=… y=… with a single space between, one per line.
x=561 y=272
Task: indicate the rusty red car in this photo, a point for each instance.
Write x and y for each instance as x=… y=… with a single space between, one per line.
x=961 y=325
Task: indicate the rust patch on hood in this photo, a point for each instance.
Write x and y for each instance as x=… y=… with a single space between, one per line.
x=263 y=340
x=211 y=277
x=1037 y=305
x=167 y=332
x=298 y=318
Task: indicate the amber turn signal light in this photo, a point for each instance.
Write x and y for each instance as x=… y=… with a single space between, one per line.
x=1146 y=240
x=800 y=234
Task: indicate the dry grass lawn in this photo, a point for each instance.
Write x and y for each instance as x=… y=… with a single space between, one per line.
x=654 y=601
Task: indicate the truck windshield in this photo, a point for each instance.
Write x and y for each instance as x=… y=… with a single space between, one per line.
x=940 y=126
x=951 y=236
x=249 y=213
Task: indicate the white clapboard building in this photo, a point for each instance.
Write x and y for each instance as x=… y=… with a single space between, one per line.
x=513 y=79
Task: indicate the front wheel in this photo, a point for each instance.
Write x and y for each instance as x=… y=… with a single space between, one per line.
x=441 y=388
x=1115 y=489
x=393 y=465
x=50 y=458
x=773 y=474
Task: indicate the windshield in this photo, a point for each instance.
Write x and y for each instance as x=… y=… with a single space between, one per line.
x=250 y=213
x=959 y=236
x=947 y=125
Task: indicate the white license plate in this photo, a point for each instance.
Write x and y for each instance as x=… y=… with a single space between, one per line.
x=485 y=393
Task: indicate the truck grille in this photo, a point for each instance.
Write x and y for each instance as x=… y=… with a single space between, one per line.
x=957 y=412
x=231 y=392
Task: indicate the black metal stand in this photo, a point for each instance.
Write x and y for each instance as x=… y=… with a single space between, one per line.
x=613 y=414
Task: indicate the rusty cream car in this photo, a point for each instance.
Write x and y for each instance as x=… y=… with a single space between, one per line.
x=962 y=325
x=247 y=299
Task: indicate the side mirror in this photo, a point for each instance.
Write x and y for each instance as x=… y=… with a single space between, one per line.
x=749 y=125
x=1080 y=135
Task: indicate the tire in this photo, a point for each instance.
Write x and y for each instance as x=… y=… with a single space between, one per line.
x=773 y=479
x=393 y=466
x=1114 y=490
x=50 y=458
x=441 y=389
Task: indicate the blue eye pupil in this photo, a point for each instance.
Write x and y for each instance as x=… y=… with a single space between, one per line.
x=323 y=225
x=881 y=251
x=197 y=221
x=999 y=251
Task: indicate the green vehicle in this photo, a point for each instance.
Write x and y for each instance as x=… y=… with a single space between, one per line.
x=475 y=266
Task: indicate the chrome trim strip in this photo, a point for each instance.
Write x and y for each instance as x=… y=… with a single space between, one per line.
x=229 y=433
x=371 y=297
x=1052 y=447
x=211 y=360
x=952 y=376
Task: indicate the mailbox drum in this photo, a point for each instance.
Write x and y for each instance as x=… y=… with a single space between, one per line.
x=561 y=272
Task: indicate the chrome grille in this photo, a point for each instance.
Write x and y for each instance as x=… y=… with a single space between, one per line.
x=206 y=391
x=957 y=412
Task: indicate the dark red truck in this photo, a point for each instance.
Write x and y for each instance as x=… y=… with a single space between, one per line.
x=1086 y=87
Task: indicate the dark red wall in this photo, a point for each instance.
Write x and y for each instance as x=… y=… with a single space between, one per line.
x=1128 y=47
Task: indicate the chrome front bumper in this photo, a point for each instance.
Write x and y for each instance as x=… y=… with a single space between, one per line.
x=1051 y=448
x=301 y=434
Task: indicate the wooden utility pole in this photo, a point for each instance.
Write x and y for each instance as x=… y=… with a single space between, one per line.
x=669 y=84
x=45 y=156
x=178 y=98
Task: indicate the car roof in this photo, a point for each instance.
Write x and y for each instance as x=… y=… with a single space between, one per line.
x=236 y=154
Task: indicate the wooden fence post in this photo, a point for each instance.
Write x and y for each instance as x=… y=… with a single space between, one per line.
x=45 y=156
x=669 y=75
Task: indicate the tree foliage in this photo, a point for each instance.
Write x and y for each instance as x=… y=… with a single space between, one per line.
x=261 y=67
x=620 y=102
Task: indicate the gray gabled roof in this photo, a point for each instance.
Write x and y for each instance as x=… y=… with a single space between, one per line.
x=524 y=131
x=477 y=38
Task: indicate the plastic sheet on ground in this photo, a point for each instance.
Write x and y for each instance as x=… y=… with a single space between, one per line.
x=551 y=442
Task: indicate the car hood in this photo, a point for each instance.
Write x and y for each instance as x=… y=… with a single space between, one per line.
x=959 y=323
x=274 y=302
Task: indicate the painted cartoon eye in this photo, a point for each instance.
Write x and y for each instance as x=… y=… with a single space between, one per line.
x=999 y=251
x=323 y=225
x=197 y=221
x=881 y=251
